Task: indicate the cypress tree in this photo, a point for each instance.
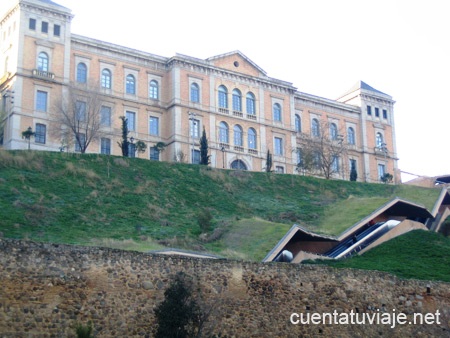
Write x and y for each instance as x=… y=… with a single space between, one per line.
x=204 y=157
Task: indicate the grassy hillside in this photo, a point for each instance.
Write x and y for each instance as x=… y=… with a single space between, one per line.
x=139 y=204
x=418 y=254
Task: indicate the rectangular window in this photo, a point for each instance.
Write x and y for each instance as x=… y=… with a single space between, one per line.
x=384 y=113
x=195 y=128
x=32 y=24
x=279 y=169
x=80 y=107
x=377 y=112
x=381 y=171
x=44 y=27
x=41 y=101
x=56 y=30
x=335 y=164
x=369 y=110
x=131 y=150
x=196 y=156
x=154 y=154
x=278 y=147
x=299 y=157
x=82 y=141
x=105 y=146
x=131 y=120
x=154 y=125
x=40 y=133
x=105 y=116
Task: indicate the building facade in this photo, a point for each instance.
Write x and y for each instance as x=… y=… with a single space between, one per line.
x=170 y=100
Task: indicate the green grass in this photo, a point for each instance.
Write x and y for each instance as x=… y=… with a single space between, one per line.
x=141 y=205
x=257 y=236
x=418 y=254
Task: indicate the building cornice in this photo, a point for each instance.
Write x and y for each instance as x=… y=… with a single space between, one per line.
x=7 y=14
x=324 y=103
x=203 y=66
x=134 y=56
x=44 y=9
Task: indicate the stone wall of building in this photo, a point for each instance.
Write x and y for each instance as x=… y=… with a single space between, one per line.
x=45 y=289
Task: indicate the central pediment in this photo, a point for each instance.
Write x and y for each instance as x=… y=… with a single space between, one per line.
x=237 y=62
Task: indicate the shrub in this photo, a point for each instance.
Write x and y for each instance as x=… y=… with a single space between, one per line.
x=84 y=331
x=177 y=315
x=204 y=219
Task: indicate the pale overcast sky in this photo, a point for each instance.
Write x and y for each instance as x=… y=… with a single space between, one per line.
x=323 y=47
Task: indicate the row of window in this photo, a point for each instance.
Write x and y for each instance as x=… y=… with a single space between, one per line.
x=9 y=31
x=106 y=81
x=105 y=143
x=238 y=136
x=377 y=112
x=317 y=160
x=154 y=153
x=105 y=113
x=32 y=23
x=333 y=132
x=236 y=100
x=105 y=148
x=105 y=116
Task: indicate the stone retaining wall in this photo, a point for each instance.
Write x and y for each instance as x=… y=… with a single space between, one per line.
x=46 y=289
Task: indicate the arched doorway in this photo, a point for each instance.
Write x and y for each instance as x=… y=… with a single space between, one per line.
x=238 y=165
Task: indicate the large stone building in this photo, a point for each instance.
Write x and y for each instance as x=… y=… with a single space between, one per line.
x=244 y=112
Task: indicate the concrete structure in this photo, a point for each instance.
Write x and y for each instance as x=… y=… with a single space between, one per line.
x=244 y=112
x=305 y=244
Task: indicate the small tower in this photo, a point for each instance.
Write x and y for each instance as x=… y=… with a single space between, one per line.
x=34 y=64
x=377 y=132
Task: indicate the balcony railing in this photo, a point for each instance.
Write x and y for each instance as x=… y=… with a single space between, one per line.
x=239 y=148
x=224 y=111
x=381 y=151
x=224 y=146
x=237 y=113
x=43 y=74
x=251 y=117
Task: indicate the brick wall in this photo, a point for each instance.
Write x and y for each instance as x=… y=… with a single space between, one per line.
x=45 y=289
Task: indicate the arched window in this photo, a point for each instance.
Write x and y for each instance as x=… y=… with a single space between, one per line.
x=333 y=131
x=238 y=165
x=130 y=84
x=237 y=130
x=154 y=90
x=195 y=93
x=277 y=112
x=81 y=73
x=237 y=100
x=379 y=140
x=43 y=62
x=351 y=136
x=223 y=132
x=251 y=138
x=223 y=97
x=315 y=129
x=106 y=78
x=250 y=103
x=298 y=123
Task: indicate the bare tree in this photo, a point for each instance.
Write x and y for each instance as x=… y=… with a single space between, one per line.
x=321 y=153
x=179 y=156
x=78 y=115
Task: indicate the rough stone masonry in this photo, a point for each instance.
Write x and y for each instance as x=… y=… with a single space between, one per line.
x=45 y=289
